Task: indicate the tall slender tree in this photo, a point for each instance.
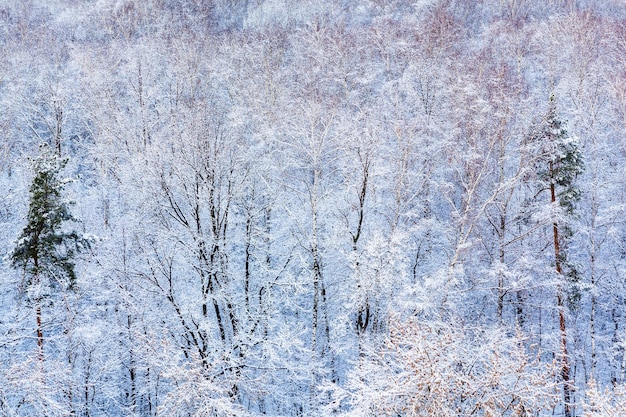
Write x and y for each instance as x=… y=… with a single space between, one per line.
x=46 y=249
x=559 y=163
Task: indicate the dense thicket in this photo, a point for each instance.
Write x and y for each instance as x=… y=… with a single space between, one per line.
x=322 y=207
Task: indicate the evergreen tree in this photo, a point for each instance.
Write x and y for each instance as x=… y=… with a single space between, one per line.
x=558 y=164
x=45 y=250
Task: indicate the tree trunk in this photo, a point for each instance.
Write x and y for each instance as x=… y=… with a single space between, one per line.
x=501 y=259
x=363 y=314
x=565 y=366
x=58 y=116
x=39 y=330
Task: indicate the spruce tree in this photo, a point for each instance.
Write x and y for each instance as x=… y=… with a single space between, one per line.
x=46 y=248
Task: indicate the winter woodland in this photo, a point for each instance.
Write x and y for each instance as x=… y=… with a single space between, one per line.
x=312 y=208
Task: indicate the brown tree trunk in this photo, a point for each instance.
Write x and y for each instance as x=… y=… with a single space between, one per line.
x=565 y=367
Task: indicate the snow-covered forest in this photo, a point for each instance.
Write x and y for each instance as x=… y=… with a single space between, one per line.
x=312 y=208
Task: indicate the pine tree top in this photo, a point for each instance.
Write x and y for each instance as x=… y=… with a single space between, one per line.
x=45 y=249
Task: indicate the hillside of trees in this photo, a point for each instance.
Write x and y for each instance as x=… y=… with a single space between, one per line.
x=312 y=208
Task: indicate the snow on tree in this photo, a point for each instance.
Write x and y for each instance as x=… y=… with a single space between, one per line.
x=46 y=249
x=438 y=369
x=329 y=195
x=558 y=163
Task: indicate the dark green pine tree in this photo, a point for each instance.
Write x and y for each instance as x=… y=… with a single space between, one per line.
x=558 y=164
x=46 y=249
